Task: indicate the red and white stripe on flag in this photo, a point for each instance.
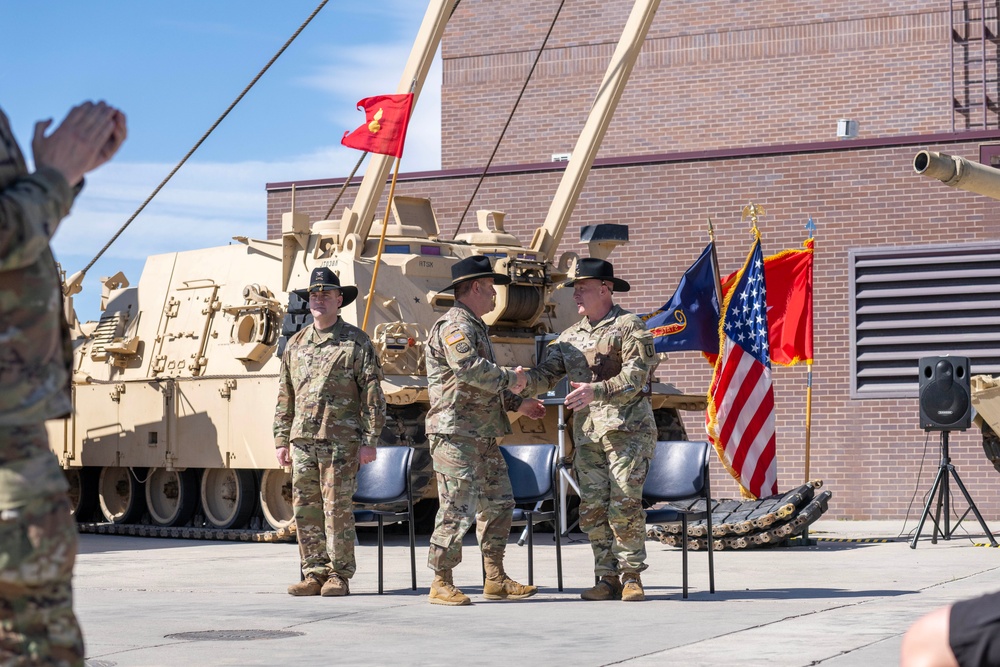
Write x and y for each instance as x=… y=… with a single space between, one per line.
x=740 y=417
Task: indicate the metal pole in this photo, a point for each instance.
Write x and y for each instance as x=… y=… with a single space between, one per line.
x=565 y=479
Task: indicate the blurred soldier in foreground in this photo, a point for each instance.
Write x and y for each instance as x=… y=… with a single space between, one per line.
x=608 y=357
x=37 y=532
x=470 y=396
x=330 y=413
x=964 y=634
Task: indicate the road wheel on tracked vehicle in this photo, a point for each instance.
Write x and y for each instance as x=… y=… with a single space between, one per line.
x=82 y=492
x=120 y=491
x=228 y=497
x=276 y=498
x=171 y=496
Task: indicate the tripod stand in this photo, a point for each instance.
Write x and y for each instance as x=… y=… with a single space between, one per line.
x=941 y=488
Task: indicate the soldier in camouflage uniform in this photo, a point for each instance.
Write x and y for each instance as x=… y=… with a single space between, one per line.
x=37 y=531
x=469 y=396
x=608 y=357
x=330 y=414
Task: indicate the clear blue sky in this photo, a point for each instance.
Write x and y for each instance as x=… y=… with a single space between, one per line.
x=173 y=68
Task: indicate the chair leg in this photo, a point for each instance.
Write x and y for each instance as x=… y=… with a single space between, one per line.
x=558 y=552
x=531 y=546
x=413 y=552
x=711 y=540
x=684 y=555
x=711 y=557
x=380 y=543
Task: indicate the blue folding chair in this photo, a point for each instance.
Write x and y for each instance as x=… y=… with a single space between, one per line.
x=532 y=471
x=679 y=471
x=383 y=486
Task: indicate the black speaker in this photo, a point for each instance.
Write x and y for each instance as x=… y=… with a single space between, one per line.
x=944 y=394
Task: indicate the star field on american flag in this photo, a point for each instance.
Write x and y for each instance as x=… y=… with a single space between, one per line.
x=746 y=319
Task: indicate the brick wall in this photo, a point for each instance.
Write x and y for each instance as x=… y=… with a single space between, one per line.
x=711 y=75
x=732 y=75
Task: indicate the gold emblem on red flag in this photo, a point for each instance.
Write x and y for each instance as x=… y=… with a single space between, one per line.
x=375 y=126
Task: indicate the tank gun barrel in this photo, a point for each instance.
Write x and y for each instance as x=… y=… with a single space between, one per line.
x=957 y=172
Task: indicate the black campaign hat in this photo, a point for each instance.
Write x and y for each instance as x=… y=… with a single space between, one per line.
x=323 y=280
x=591 y=268
x=470 y=268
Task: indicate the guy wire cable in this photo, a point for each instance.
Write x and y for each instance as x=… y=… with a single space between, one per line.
x=204 y=137
x=509 y=119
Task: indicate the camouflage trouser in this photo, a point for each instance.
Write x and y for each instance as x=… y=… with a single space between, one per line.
x=471 y=477
x=611 y=473
x=324 y=479
x=38 y=543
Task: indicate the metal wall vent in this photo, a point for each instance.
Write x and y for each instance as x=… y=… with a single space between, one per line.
x=909 y=303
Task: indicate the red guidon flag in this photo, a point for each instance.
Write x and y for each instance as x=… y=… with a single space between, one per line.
x=384 y=130
x=789 y=304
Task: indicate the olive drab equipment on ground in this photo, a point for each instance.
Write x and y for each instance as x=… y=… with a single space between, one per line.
x=174 y=388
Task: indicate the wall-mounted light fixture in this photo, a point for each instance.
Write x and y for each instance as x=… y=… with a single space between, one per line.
x=847 y=129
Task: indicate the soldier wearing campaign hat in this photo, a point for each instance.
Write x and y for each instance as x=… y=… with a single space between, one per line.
x=330 y=413
x=470 y=396
x=608 y=357
x=325 y=280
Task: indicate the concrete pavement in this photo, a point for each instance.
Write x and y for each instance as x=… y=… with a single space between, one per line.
x=844 y=601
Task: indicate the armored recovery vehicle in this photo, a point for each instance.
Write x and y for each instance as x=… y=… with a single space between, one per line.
x=174 y=388
x=963 y=174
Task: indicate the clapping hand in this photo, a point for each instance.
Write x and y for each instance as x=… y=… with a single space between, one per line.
x=88 y=137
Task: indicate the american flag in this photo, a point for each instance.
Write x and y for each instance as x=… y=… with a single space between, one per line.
x=741 y=399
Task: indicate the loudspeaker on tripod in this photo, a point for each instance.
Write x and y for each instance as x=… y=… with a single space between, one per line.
x=945 y=403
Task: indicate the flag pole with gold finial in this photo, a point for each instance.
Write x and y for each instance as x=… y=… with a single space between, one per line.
x=715 y=263
x=811 y=228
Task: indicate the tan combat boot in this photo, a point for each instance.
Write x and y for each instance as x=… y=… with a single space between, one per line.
x=632 y=588
x=607 y=588
x=311 y=585
x=443 y=591
x=499 y=586
x=336 y=586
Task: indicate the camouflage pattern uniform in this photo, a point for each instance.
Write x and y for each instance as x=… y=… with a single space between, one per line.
x=614 y=436
x=330 y=403
x=37 y=531
x=469 y=405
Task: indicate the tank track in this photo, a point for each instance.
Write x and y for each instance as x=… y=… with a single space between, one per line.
x=190 y=533
x=746 y=524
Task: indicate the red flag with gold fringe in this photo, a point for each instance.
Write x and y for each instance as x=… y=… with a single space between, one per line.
x=789 y=304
